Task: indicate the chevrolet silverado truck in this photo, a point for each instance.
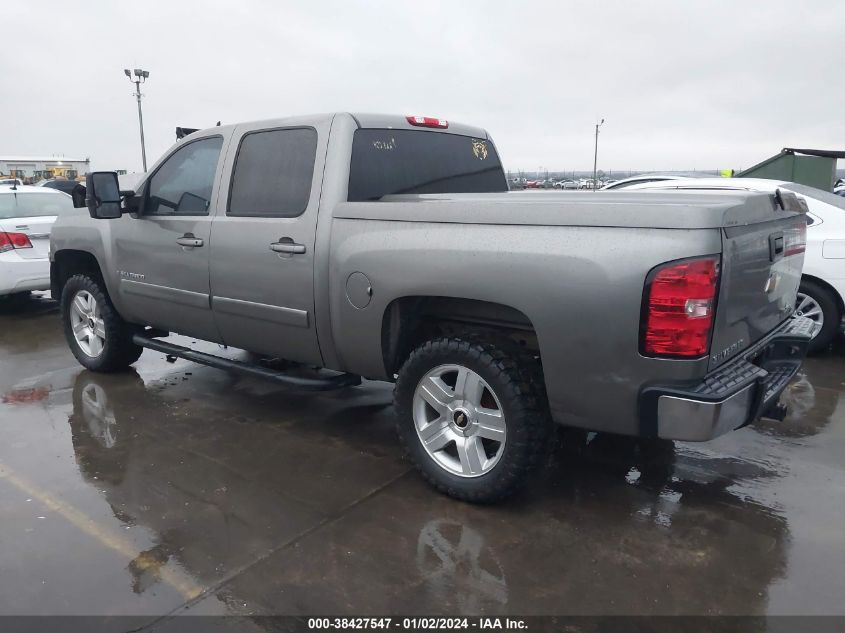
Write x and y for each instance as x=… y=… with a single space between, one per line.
x=389 y=248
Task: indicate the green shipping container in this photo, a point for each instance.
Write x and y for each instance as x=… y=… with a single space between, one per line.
x=813 y=167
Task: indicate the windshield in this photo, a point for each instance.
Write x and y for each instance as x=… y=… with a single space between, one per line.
x=29 y=205
x=386 y=162
x=819 y=194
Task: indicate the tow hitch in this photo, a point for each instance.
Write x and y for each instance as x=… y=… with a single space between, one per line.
x=777 y=412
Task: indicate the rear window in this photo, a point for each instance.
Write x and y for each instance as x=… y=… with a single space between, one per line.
x=62 y=185
x=386 y=162
x=30 y=205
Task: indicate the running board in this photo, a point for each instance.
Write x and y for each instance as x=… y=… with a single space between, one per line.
x=335 y=381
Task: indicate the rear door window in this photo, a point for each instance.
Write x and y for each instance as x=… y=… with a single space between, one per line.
x=386 y=162
x=273 y=173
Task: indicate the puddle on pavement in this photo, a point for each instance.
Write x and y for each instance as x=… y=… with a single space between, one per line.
x=134 y=492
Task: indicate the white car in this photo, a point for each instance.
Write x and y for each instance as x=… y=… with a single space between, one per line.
x=821 y=295
x=642 y=179
x=27 y=215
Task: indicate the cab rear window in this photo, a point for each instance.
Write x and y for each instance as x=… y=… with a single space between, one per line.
x=389 y=162
x=30 y=205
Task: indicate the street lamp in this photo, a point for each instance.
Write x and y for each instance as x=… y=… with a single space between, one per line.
x=595 y=155
x=140 y=77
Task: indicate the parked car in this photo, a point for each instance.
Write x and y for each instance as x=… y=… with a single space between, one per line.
x=10 y=182
x=532 y=184
x=65 y=186
x=821 y=295
x=642 y=179
x=392 y=250
x=27 y=215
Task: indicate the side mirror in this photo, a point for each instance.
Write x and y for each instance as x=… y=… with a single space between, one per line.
x=102 y=195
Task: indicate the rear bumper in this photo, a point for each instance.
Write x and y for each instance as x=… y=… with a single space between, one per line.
x=18 y=274
x=733 y=395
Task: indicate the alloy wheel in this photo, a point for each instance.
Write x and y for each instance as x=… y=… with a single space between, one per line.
x=459 y=420
x=808 y=307
x=87 y=324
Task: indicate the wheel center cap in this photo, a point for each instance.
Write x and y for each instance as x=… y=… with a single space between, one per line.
x=461 y=418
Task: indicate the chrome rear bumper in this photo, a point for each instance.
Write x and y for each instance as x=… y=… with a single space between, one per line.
x=733 y=395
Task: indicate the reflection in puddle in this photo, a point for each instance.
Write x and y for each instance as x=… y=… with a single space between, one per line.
x=455 y=564
x=98 y=415
x=146 y=567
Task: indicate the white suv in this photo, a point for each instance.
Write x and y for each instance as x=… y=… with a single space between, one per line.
x=27 y=215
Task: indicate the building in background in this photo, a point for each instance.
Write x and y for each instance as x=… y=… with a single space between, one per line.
x=32 y=169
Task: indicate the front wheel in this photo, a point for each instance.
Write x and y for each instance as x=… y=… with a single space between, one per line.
x=98 y=337
x=473 y=419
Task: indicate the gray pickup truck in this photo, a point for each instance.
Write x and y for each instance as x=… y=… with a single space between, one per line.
x=388 y=247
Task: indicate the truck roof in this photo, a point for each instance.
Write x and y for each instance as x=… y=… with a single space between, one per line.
x=363 y=120
x=399 y=121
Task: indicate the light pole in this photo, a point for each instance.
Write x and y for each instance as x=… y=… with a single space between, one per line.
x=140 y=77
x=595 y=155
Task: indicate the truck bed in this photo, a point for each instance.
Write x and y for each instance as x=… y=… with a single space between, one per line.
x=646 y=209
x=574 y=264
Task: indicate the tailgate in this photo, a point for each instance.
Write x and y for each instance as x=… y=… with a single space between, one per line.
x=37 y=229
x=761 y=270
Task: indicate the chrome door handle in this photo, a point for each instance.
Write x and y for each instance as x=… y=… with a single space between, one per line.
x=291 y=248
x=189 y=240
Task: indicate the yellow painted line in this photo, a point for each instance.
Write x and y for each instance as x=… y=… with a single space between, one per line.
x=188 y=589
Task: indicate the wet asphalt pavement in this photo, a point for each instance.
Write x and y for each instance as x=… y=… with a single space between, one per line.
x=177 y=489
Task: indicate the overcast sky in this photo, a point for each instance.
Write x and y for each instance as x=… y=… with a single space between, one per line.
x=682 y=84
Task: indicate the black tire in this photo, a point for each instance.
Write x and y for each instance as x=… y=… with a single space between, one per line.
x=516 y=380
x=830 y=309
x=118 y=351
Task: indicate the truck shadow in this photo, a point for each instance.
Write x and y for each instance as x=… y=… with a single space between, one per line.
x=28 y=304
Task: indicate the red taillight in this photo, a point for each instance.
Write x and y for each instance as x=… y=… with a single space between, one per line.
x=679 y=309
x=8 y=241
x=427 y=121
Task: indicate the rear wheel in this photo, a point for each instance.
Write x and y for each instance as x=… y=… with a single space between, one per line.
x=816 y=302
x=473 y=419
x=98 y=337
